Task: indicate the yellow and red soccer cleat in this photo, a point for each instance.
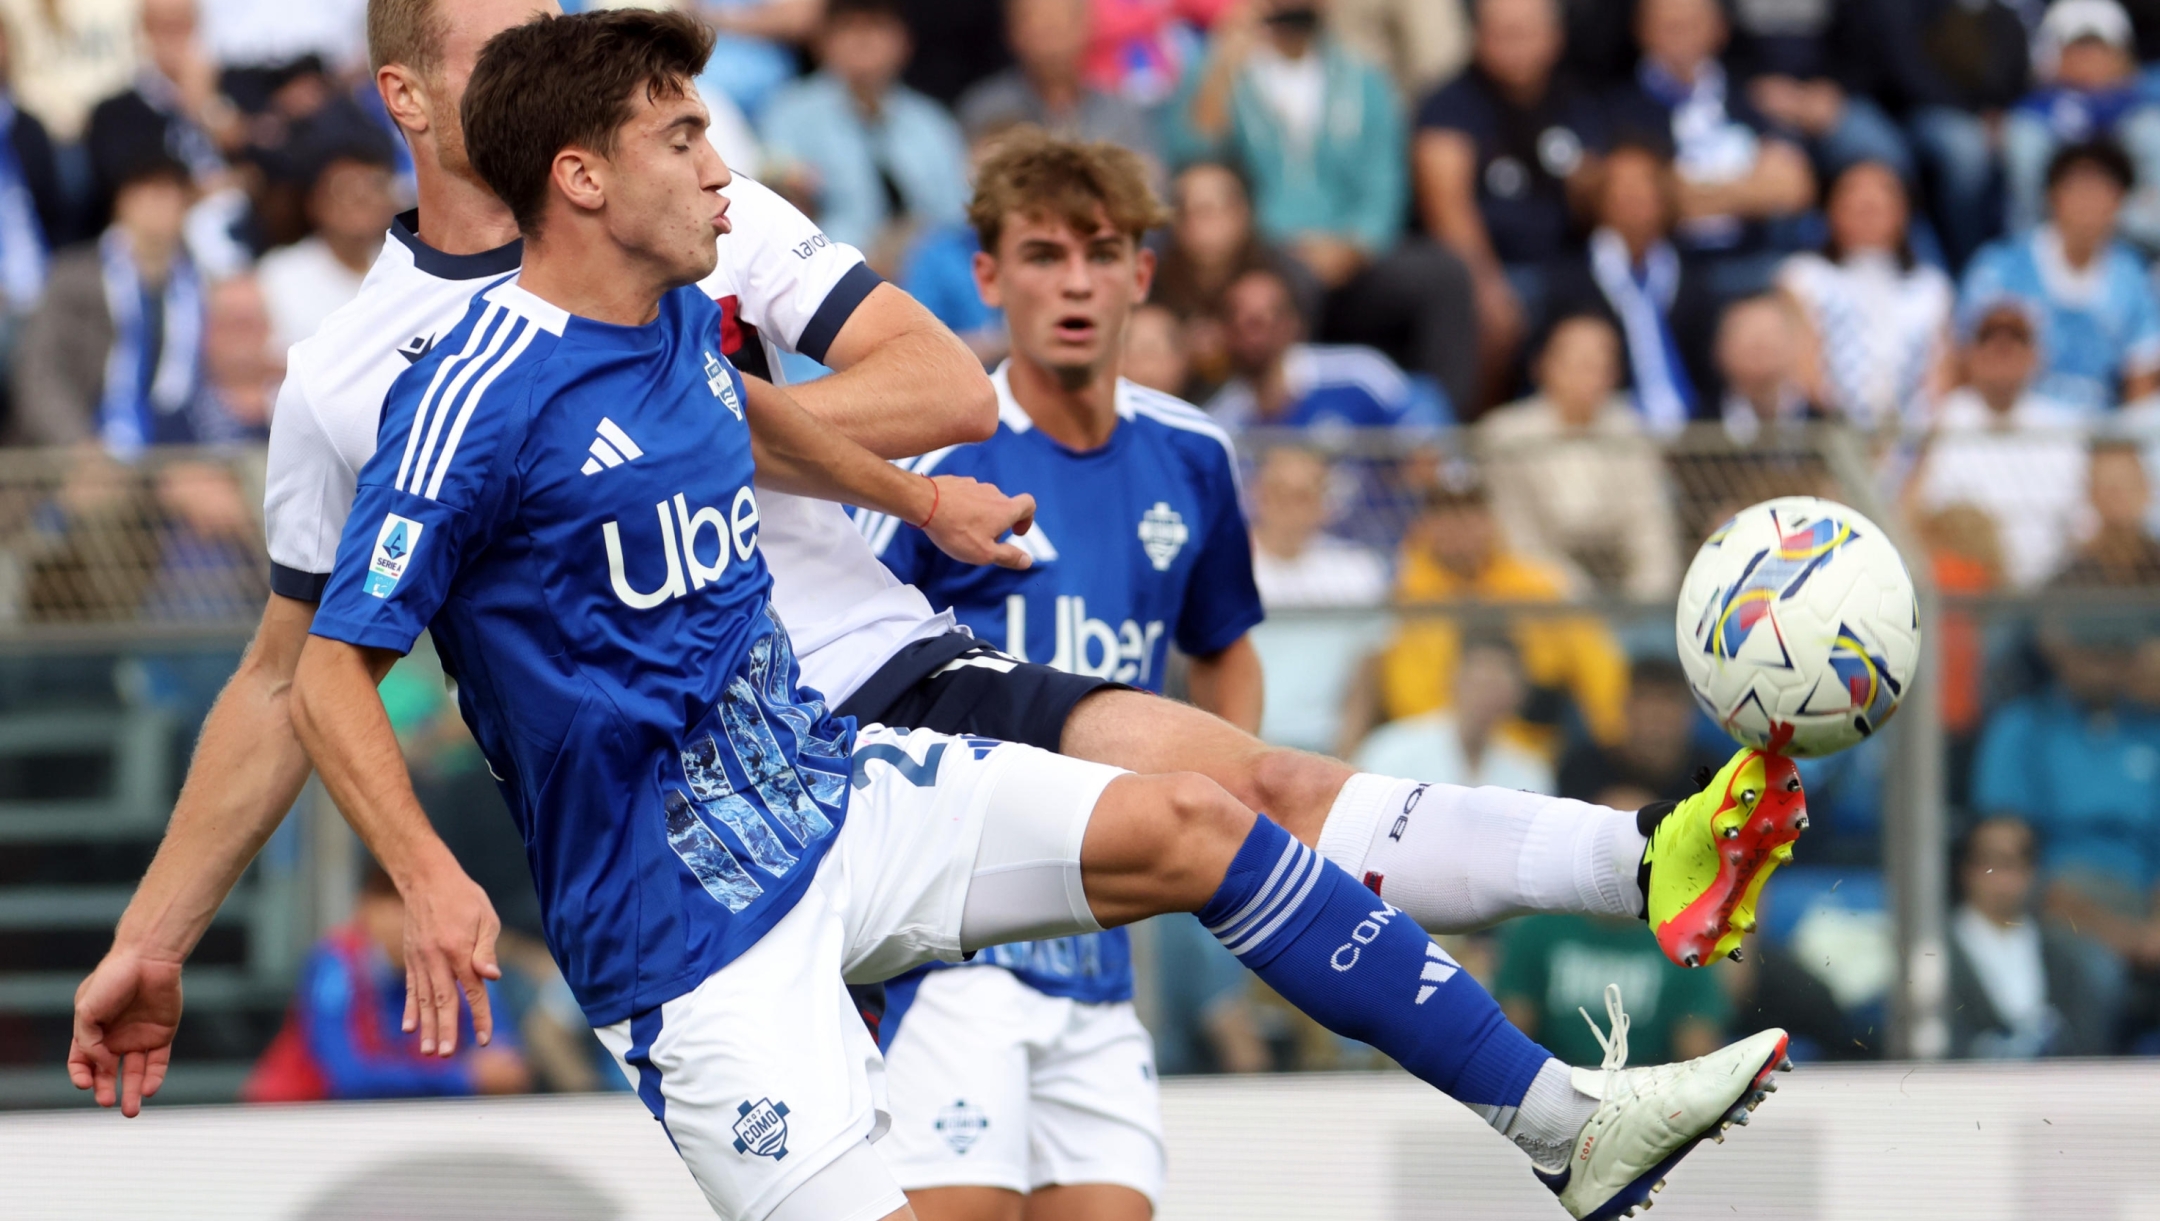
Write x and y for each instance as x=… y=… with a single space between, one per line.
x=1709 y=856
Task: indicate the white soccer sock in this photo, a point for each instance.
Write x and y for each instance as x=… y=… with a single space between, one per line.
x=1549 y=1118
x=1455 y=859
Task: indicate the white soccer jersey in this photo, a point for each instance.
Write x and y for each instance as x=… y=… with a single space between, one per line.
x=781 y=285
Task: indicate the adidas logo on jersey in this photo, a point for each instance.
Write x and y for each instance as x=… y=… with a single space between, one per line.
x=736 y=530
x=610 y=449
x=1163 y=535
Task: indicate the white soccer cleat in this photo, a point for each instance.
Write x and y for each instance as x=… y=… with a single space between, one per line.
x=1649 y=1118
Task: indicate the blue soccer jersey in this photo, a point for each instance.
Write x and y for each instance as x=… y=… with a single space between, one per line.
x=568 y=506
x=1137 y=544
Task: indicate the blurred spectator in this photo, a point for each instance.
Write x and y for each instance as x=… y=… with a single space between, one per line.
x=1813 y=67
x=2081 y=765
x=1318 y=133
x=64 y=55
x=1601 y=51
x=1141 y=49
x=241 y=368
x=939 y=271
x=1964 y=550
x=1155 y=350
x=113 y=353
x=2122 y=550
x=1453 y=552
x=33 y=218
x=2019 y=988
x=172 y=109
x=1421 y=43
x=1046 y=85
x=1212 y=242
x=1736 y=172
x=1961 y=64
x=1638 y=280
x=1502 y=154
x=342 y=1038
x=754 y=46
x=1297 y=566
x=350 y=205
x=2086 y=89
x=2009 y=452
x=879 y=156
x=1554 y=969
x=307 y=115
x=259 y=38
x=958 y=43
x=1279 y=381
x=2099 y=324
x=1758 y=363
x=1576 y=482
x=1875 y=321
x=1469 y=742
x=1659 y=755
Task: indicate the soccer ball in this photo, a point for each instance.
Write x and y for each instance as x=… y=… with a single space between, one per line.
x=1798 y=627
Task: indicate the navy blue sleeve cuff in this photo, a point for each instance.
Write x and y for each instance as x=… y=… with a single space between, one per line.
x=839 y=306
x=297 y=585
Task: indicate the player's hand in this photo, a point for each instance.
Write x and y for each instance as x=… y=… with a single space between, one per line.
x=450 y=931
x=125 y=1015
x=970 y=518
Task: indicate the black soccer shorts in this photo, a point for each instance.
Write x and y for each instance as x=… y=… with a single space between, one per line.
x=956 y=684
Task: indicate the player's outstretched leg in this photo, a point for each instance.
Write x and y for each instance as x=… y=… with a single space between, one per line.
x=1456 y=859
x=1363 y=969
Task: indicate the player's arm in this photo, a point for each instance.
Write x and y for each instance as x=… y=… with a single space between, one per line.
x=905 y=384
x=797 y=453
x=450 y=927
x=247 y=772
x=1229 y=684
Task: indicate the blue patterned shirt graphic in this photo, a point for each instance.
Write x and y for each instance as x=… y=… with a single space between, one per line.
x=1138 y=544
x=569 y=508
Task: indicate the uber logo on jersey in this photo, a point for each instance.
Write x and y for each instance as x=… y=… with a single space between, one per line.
x=394 y=545
x=722 y=386
x=738 y=526
x=1162 y=534
x=1123 y=654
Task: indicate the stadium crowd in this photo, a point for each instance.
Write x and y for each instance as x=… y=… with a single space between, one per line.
x=1509 y=302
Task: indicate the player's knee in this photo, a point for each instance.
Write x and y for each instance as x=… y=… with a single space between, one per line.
x=1201 y=821
x=1297 y=789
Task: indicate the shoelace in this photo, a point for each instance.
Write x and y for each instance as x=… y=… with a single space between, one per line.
x=1616 y=1046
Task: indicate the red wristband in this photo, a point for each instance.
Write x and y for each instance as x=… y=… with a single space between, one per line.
x=936 y=494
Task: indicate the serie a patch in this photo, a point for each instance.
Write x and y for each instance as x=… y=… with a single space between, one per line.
x=394 y=545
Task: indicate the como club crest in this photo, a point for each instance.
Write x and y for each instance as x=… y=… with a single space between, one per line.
x=761 y=1130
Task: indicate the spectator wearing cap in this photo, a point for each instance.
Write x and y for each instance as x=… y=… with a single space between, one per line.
x=880 y=159
x=113 y=354
x=1737 y=171
x=1576 y=481
x=1047 y=84
x=2086 y=89
x=1656 y=297
x=350 y=204
x=1280 y=381
x=172 y=108
x=1318 y=133
x=2122 y=551
x=2008 y=451
x=2099 y=325
x=1454 y=553
x=1502 y=155
x=1875 y=321
x=1475 y=741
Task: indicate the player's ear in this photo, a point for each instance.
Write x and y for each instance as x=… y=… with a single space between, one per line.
x=1143 y=274
x=405 y=97
x=986 y=280
x=577 y=174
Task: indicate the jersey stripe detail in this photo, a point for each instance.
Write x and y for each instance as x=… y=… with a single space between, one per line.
x=526 y=332
x=447 y=402
x=1176 y=413
x=442 y=371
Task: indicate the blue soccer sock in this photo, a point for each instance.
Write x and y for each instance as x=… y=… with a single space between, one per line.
x=1365 y=971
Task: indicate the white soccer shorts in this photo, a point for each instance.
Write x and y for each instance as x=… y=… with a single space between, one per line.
x=994 y=1084
x=764 y=1074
